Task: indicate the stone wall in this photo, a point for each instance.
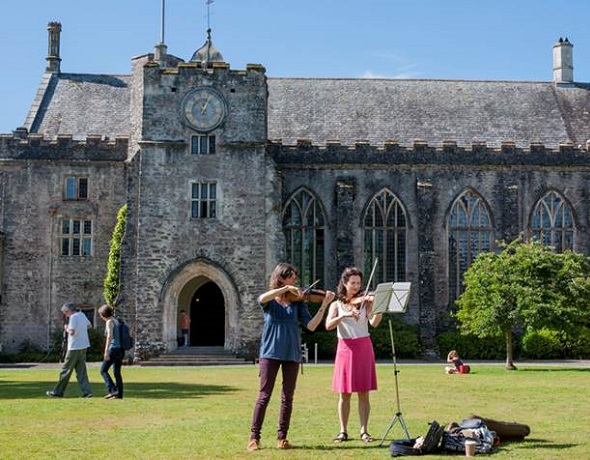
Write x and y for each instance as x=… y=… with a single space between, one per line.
x=427 y=180
x=36 y=278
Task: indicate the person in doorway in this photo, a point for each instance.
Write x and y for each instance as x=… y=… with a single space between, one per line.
x=113 y=354
x=354 y=366
x=185 y=326
x=281 y=348
x=75 y=359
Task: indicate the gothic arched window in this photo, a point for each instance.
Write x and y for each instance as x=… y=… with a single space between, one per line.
x=304 y=228
x=552 y=223
x=385 y=238
x=469 y=234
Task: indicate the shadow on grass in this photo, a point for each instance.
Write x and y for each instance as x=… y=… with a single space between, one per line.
x=533 y=443
x=554 y=369
x=344 y=446
x=168 y=390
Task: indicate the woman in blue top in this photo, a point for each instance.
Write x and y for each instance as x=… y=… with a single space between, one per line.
x=113 y=354
x=281 y=348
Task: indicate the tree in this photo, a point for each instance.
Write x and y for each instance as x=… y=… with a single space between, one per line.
x=112 y=278
x=526 y=286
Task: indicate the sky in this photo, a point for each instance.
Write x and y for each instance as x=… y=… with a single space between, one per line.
x=415 y=39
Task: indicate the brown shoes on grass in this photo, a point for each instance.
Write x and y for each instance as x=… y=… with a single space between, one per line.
x=284 y=444
x=254 y=444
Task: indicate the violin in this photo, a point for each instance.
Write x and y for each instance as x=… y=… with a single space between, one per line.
x=362 y=298
x=309 y=295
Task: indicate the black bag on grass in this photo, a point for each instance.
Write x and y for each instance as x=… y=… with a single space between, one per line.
x=429 y=444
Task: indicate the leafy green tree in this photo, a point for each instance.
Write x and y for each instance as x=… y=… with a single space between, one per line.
x=112 y=278
x=525 y=286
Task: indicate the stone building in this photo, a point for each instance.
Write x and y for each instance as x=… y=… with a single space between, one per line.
x=227 y=172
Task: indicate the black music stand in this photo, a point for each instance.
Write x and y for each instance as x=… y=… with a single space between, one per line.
x=393 y=298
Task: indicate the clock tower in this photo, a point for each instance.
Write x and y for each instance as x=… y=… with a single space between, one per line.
x=201 y=213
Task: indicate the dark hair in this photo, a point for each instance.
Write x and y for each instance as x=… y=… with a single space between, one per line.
x=105 y=311
x=281 y=272
x=341 y=292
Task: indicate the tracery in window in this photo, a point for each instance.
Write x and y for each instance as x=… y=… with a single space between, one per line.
x=385 y=234
x=304 y=228
x=470 y=233
x=552 y=222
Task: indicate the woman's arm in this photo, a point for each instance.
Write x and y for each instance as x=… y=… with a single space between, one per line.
x=269 y=295
x=315 y=321
x=334 y=317
x=109 y=339
x=374 y=320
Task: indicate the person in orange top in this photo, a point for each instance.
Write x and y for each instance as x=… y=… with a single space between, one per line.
x=185 y=325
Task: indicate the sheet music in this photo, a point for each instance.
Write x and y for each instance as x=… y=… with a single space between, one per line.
x=391 y=297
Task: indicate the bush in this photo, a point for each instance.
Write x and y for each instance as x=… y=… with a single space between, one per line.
x=470 y=346
x=326 y=341
x=543 y=344
x=406 y=341
x=550 y=344
x=578 y=344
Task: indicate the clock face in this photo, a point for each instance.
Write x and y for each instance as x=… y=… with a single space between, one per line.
x=204 y=109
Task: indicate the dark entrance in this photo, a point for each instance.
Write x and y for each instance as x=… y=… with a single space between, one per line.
x=207 y=316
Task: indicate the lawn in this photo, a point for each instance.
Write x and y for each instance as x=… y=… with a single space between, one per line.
x=204 y=412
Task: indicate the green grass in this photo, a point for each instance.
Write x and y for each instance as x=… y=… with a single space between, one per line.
x=205 y=412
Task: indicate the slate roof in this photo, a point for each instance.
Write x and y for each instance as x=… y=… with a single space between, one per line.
x=351 y=110
x=82 y=104
x=376 y=110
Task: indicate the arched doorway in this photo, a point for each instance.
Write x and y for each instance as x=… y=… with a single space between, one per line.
x=207 y=313
x=179 y=293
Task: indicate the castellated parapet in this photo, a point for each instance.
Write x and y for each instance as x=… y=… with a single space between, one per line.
x=63 y=147
x=363 y=154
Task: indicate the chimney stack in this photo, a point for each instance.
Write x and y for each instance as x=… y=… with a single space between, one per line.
x=563 y=62
x=53 y=59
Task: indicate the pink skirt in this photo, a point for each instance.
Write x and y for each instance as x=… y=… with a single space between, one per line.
x=354 y=367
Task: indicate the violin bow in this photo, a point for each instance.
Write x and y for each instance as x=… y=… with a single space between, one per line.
x=369 y=282
x=307 y=289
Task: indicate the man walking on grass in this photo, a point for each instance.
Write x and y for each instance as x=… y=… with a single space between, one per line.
x=78 y=341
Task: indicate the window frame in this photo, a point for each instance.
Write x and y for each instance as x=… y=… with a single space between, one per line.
x=204 y=207
x=304 y=228
x=462 y=247
x=78 y=240
x=385 y=237
x=75 y=188
x=203 y=144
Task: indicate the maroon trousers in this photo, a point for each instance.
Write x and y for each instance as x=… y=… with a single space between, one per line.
x=269 y=368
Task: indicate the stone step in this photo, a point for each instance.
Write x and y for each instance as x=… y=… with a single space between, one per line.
x=196 y=356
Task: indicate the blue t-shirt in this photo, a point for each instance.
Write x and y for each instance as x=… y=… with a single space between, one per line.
x=281 y=339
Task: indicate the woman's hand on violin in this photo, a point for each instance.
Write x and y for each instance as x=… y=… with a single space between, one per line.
x=293 y=290
x=359 y=300
x=328 y=298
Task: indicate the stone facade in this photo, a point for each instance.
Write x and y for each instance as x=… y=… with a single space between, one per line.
x=340 y=140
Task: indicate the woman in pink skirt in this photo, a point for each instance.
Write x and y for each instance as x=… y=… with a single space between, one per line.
x=354 y=367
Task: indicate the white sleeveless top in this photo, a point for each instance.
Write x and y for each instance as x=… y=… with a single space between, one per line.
x=350 y=328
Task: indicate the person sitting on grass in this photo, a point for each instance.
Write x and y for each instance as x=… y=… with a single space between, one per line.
x=453 y=357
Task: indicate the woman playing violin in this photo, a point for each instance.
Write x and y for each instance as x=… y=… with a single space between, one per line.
x=354 y=367
x=280 y=347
